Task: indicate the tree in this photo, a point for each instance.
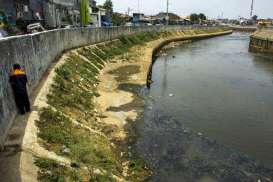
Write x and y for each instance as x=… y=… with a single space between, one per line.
x=255 y=17
x=118 y=20
x=85 y=16
x=108 y=6
x=194 y=17
x=202 y=16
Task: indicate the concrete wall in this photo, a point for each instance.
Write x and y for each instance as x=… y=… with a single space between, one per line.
x=261 y=46
x=37 y=51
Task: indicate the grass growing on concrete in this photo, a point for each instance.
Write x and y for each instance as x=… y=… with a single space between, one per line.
x=86 y=149
x=71 y=97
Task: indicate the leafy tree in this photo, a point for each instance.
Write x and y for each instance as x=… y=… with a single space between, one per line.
x=194 y=17
x=85 y=16
x=202 y=16
x=108 y=6
x=255 y=17
x=118 y=20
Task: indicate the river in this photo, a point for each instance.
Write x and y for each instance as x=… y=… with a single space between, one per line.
x=209 y=113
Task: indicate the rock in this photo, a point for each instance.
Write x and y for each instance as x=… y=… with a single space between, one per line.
x=85 y=168
x=97 y=171
x=130 y=154
x=164 y=54
x=113 y=145
x=121 y=154
x=49 y=173
x=75 y=165
x=65 y=150
x=171 y=95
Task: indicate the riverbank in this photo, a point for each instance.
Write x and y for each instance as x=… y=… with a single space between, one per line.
x=261 y=41
x=244 y=28
x=80 y=126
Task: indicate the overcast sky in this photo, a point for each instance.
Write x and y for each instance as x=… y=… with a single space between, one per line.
x=212 y=8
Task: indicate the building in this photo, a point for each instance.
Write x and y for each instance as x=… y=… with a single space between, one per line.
x=173 y=18
x=97 y=15
x=25 y=10
x=51 y=13
x=138 y=17
x=59 y=13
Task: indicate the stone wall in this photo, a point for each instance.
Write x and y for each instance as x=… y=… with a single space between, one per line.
x=262 y=41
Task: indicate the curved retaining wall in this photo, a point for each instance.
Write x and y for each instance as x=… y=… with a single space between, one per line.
x=262 y=41
x=37 y=51
x=244 y=28
x=165 y=42
x=260 y=45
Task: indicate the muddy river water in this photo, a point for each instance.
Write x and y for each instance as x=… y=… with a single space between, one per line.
x=209 y=113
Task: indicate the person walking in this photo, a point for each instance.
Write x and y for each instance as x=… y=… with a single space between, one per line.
x=18 y=81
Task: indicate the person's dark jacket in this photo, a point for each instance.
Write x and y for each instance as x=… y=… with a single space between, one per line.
x=18 y=81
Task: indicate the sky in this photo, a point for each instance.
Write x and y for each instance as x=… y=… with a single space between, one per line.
x=212 y=8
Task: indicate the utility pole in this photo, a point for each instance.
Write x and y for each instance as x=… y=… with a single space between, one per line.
x=252 y=7
x=167 y=17
x=129 y=10
x=138 y=6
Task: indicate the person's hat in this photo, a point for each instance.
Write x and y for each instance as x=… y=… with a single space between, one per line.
x=16 y=66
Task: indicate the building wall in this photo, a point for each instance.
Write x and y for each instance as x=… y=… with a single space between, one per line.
x=8 y=7
x=57 y=10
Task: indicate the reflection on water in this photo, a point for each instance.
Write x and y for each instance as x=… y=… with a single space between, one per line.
x=218 y=88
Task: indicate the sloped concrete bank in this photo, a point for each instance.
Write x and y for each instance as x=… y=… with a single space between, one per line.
x=80 y=126
x=37 y=51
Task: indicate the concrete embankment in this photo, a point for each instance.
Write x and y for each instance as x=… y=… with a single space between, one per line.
x=244 y=28
x=37 y=51
x=261 y=41
x=80 y=126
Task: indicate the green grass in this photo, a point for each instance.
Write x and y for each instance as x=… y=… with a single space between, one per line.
x=54 y=172
x=87 y=149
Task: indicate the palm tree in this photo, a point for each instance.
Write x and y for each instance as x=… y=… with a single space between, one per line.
x=85 y=15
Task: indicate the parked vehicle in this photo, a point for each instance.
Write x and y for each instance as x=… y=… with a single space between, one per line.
x=35 y=27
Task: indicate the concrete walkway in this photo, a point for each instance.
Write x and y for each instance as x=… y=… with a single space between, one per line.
x=13 y=154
